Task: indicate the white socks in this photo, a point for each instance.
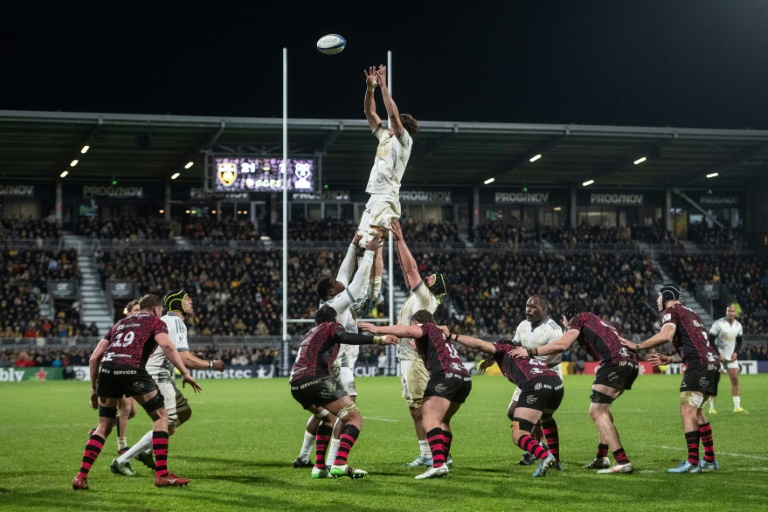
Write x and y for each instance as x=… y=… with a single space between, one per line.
x=146 y=442
x=424 y=448
x=736 y=402
x=122 y=443
x=333 y=448
x=306 y=447
x=711 y=402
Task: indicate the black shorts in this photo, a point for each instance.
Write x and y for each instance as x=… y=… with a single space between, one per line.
x=117 y=381
x=454 y=387
x=618 y=376
x=542 y=394
x=317 y=391
x=703 y=379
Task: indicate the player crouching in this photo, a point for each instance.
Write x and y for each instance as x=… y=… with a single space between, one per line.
x=315 y=389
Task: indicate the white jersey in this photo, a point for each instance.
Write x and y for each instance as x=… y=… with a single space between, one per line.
x=546 y=332
x=726 y=333
x=342 y=303
x=157 y=363
x=389 y=165
x=420 y=298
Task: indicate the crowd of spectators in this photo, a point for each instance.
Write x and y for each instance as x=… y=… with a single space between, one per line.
x=342 y=230
x=489 y=288
x=744 y=276
x=44 y=357
x=125 y=229
x=705 y=235
x=220 y=229
x=39 y=229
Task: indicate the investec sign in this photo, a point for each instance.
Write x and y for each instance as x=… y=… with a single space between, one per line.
x=127 y=192
x=616 y=199
x=521 y=198
x=17 y=190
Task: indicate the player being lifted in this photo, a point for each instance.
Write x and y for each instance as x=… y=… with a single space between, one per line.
x=340 y=294
x=727 y=334
x=392 y=154
x=178 y=305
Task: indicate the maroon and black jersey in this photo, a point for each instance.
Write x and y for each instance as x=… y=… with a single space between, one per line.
x=522 y=370
x=317 y=352
x=132 y=340
x=690 y=340
x=439 y=355
x=601 y=337
x=320 y=347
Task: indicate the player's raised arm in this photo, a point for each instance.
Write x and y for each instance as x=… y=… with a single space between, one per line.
x=394 y=115
x=404 y=256
x=359 y=286
x=369 y=105
x=347 y=267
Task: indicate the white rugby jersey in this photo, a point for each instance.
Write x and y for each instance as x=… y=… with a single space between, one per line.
x=546 y=332
x=392 y=156
x=177 y=331
x=420 y=298
x=726 y=334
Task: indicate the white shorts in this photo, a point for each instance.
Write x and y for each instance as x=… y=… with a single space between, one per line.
x=414 y=378
x=346 y=378
x=728 y=365
x=175 y=401
x=380 y=210
x=516 y=395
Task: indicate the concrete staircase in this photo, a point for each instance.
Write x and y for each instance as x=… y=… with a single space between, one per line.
x=688 y=299
x=94 y=306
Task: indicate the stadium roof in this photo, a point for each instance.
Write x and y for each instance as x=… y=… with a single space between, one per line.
x=38 y=146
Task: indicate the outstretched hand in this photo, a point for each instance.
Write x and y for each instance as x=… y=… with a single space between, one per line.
x=374 y=243
x=396 y=230
x=655 y=359
x=518 y=352
x=187 y=379
x=485 y=364
x=371 y=78
x=366 y=326
x=381 y=74
x=630 y=345
x=391 y=339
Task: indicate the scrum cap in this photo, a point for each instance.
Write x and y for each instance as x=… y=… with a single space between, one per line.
x=174 y=300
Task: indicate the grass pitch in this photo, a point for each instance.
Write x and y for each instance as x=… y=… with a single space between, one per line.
x=244 y=434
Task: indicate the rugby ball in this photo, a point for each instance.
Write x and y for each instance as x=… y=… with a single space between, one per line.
x=331 y=44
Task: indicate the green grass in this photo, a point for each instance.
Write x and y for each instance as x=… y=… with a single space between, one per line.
x=244 y=434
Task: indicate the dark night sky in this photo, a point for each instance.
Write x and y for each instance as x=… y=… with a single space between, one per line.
x=615 y=62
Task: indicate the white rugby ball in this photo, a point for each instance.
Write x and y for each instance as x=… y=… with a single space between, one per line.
x=331 y=44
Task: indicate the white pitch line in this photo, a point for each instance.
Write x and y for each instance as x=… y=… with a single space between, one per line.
x=744 y=455
x=388 y=420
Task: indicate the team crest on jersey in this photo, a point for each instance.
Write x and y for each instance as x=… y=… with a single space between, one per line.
x=666 y=318
x=227 y=173
x=440 y=388
x=537 y=386
x=613 y=376
x=710 y=357
x=456 y=366
x=703 y=382
x=531 y=399
x=624 y=352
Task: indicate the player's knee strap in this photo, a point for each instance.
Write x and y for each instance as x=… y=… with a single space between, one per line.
x=322 y=414
x=154 y=403
x=521 y=424
x=107 y=412
x=348 y=409
x=691 y=398
x=600 y=398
